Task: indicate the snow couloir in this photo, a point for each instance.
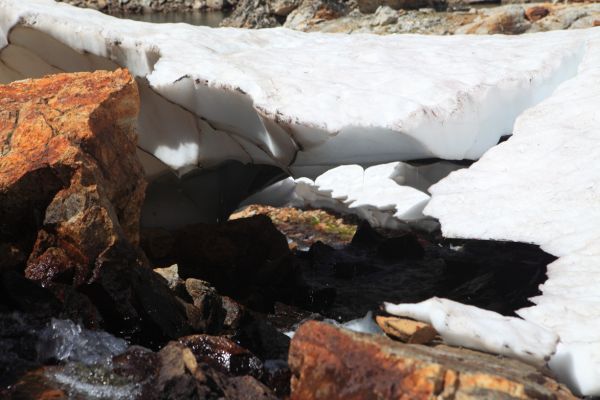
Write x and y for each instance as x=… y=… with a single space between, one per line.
x=226 y=112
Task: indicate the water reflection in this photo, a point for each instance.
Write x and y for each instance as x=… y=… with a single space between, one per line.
x=207 y=18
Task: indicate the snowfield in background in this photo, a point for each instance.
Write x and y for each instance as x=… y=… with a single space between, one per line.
x=304 y=103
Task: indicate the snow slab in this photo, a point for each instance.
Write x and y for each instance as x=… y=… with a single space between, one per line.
x=293 y=99
x=472 y=327
x=542 y=186
x=300 y=102
x=373 y=194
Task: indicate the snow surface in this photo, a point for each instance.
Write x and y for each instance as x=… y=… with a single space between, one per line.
x=291 y=99
x=370 y=193
x=472 y=327
x=542 y=186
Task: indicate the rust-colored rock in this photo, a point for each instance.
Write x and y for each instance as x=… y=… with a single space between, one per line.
x=536 y=13
x=71 y=186
x=333 y=363
x=406 y=330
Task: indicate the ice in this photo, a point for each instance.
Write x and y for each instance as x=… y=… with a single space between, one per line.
x=474 y=328
x=542 y=186
x=363 y=325
x=373 y=194
x=95 y=383
x=64 y=340
x=299 y=102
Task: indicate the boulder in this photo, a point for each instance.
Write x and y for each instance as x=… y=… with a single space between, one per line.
x=247 y=259
x=71 y=191
x=406 y=330
x=329 y=362
x=71 y=186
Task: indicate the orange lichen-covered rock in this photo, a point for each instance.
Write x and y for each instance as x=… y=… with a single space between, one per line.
x=71 y=186
x=328 y=362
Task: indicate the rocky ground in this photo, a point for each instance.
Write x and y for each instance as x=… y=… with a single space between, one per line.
x=93 y=307
x=439 y=17
x=388 y=17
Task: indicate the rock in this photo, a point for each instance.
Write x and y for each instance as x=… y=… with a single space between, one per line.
x=406 y=330
x=223 y=354
x=71 y=186
x=247 y=259
x=536 y=13
x=385 y=16
x=369 y=6
x=247 y=388
x=208 y=302
x=262 y=338
x=282 y=7
x=251 y=14
x=171 y=275
x=234 y=312
x=508 y=20
x=71 y=190
x=312 y=13
x=277 y=376
x=328 y=362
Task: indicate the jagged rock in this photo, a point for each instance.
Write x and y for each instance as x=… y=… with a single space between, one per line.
x=208 y=302
x=171 y=275
x=191 y=371
x=312 y=13
x=251 y=14
x=283 y=7
x=247 y=259
x=71 y=186
x=406 y=330
x=71 y=189
x=328 y=362
x=223 y=354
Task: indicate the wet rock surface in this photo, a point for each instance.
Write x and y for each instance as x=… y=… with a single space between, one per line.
x=409 y=267
x=332 y=363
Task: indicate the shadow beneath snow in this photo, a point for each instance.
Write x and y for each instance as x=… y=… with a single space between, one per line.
x=414 y=266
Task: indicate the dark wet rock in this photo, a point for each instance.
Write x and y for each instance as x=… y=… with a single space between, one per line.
x=184 y=375
x=328 y=362
x=415 y=266
x=246 y=259
x=277 y=376
x=223 y=355
x=138 y=363
x=286 y=317
x=262 y=338
x=136 y=303
x=247 y=388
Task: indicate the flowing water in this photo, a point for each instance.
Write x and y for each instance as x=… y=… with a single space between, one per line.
x=207 y=18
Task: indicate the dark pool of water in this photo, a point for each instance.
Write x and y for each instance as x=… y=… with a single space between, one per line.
x=206 y=18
